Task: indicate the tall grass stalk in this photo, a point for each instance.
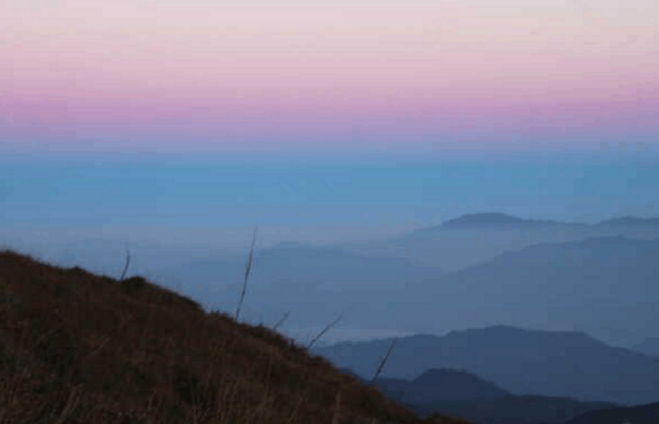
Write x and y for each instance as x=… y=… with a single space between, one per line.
x=126 y=265
x=383 y=362
x=324 y=330
x=248 y=270
x=281 y=321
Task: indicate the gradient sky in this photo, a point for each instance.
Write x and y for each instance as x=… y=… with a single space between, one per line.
x=326 y=113
x=217 y=75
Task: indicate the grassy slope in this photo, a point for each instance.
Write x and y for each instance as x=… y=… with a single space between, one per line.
x=78 y=348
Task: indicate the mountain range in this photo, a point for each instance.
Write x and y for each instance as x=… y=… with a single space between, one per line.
x=474 y=238
x=648 y=346
x=474 y=271
x=288 y=263
x=567 y=279
x=604 y=286
x=522 y=362
x=462 y=394
x=644 y=414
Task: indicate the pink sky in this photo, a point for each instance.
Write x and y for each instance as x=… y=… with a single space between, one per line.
x=72 y=67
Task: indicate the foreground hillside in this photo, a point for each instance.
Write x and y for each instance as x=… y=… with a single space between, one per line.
x=78 y=348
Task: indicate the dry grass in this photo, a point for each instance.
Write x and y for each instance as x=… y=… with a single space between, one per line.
x=79 y=348
x=383 y=362
x=248 y=269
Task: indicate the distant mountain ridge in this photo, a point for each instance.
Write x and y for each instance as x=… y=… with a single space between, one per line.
x=648 y=346
x=574 y=283
x=497 y=218
x=644 y=414
x=473 y=238
x=555 y=364
x=300 y=263
x=449 y=386
x=527 y=409
x=631 y=221
x=465 y=395
x=310 y=282
x=493 y=219
x=503 y=220
x=515 y=274
x=602 y=286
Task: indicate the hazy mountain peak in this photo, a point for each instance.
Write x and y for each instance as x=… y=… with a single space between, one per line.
x=495 y=219
x=452 y=385
x=506 y=332
x=491 y=218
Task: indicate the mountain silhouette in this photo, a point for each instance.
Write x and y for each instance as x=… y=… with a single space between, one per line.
x=604 y=286
x=492 y=219
x=523 y=362
x=645 y=414
x=471 y=239
x=449 y=386
x=631 y=222
x=299 y=263
x=465 y=395
x=648 y=346
x=77 y=347
x=515 y=409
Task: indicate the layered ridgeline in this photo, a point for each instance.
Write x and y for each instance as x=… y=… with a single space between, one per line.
x=455 y=244
x=310 y=282
x=519 y=361
x=603 y=286
x=79 y=348
x=549 y=275
x=644 y=414
x=648 y=346
x=606 y=287
x=474 y=238
x=466 y=395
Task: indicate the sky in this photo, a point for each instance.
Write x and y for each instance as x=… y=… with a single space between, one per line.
x=308 y=115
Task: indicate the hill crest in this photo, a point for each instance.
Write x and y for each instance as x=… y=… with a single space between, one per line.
x=80 y=348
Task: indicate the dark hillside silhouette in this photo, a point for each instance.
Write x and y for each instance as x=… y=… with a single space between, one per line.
x=79 y=348
x=515 y=409
x=450 y=386
x=644 y=414
x=468 y=396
